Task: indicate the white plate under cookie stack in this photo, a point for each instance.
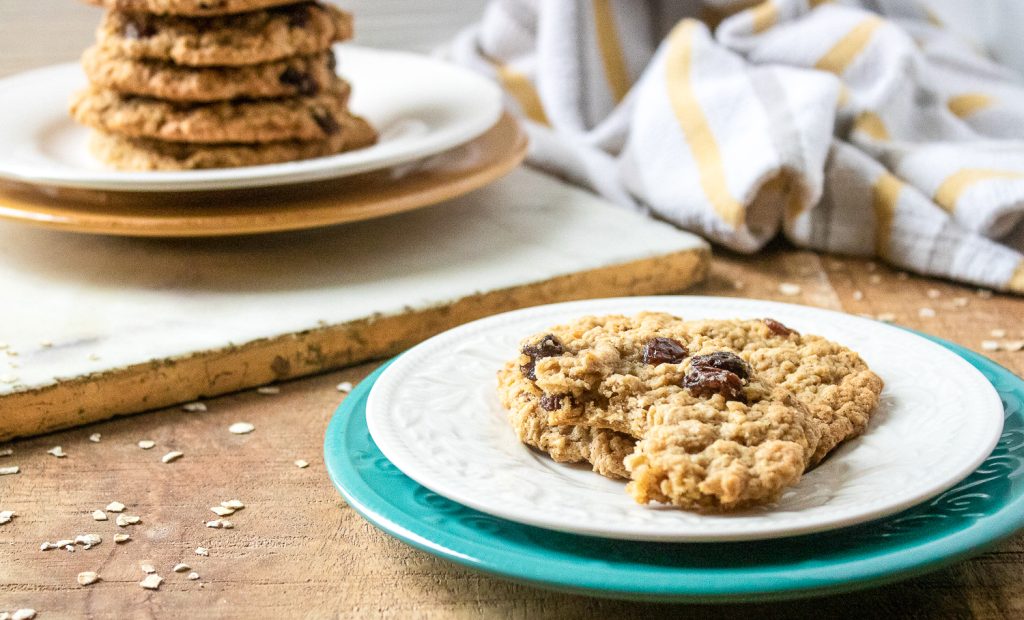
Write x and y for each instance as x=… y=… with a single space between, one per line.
x=189 y=84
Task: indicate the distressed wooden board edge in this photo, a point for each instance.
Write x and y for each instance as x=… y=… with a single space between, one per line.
x=162 y=383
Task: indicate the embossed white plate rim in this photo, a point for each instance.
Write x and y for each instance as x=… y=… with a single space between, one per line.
x=418 y=458
x=421 y=106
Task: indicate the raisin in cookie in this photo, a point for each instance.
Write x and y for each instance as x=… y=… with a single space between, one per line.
x=297 y=118
x=231 y=40
x=833 y=381
x=604 y=449
x=300 y=75
x=189 y=7
x=142 y=154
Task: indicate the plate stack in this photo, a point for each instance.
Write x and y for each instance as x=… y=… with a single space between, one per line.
x=187 y=84
x=424 y=450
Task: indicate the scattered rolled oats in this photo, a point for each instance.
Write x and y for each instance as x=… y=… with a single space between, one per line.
x=24 y=614
x=6 y=516
x=149 y=569
x=46 y=546
x=926 y=313
x=998 y=333
x=195 y=407
x=171 y=456
x=7 y=471
x=99 y=515
x=115 y=507
x=123 y=520
x=152 y=581
x=233 y=504
x=203 y=551
x=790 y=289
x=875 y=279
x=241 y=428
x=301 y=464
x=6 y=451
x=221 y=511
x=88 y=577
x=193 y=576
x=1014 y=345
x=182 y=567
x=122 y=538
x=934 y=293
x=64 y=542
x=57 y=451
x=989 y=345
x=345 y=386
x=95 y=437
x=268 y=390
x=858 y=295
x=146 y=444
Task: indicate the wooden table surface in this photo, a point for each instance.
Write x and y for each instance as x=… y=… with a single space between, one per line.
x=297 y=550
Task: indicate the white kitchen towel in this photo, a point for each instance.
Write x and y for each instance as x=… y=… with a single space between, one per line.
x=858 y=127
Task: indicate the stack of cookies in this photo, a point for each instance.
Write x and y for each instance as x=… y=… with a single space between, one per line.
x=186 y=84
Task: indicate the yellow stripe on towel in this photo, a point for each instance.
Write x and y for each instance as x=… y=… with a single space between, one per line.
x=968 y=103
x=522 y=90
x=765 y=15
x=846 y=50
x=886 y=195
x=694 y=124
x=611 y=49
x=953 y=187
x=1016 y=283
x=871 y=124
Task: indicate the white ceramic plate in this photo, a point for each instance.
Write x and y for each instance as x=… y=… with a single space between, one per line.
x=435 y=414
x=421 y=106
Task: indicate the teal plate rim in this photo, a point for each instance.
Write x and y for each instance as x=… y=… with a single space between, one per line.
x=980 y=511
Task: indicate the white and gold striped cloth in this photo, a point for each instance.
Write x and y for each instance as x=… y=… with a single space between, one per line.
x=859 y=127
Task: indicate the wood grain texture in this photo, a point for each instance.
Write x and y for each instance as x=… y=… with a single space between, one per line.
x=160 y=383
x=298 y=551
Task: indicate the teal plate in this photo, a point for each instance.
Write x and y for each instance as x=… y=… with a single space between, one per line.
x=983 y=509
